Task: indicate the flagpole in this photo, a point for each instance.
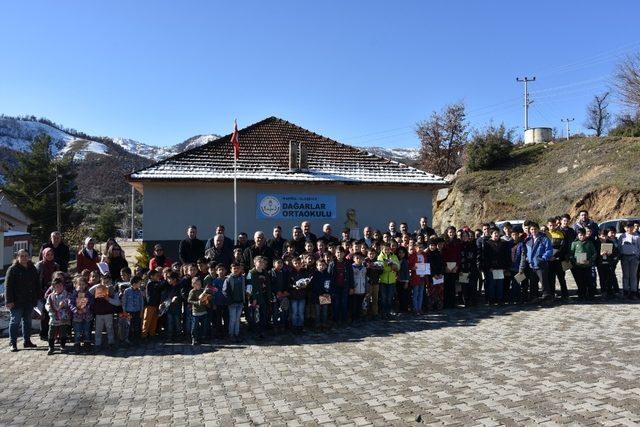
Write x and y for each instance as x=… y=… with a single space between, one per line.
x=235 y=198
x=236 y=152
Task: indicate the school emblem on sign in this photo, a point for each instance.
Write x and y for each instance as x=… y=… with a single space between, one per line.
x=270 y=206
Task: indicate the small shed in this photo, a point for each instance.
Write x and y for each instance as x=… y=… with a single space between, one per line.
x=13 y=230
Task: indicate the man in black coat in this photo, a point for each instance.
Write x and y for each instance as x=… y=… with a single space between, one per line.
x=61 y=251
x=259 y=248
x=191 y=249
x=307 y=234
x=22 y=292
x=227 y=242
x=277 y=242
x=218 y=253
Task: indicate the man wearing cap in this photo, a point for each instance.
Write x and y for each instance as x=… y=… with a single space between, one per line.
x=218 y=254
x=227 y=242
x=327 y=236
x=159 y=259
x=88 y=257
x=191 y=249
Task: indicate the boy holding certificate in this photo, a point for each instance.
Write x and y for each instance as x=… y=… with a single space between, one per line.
x=583 y=255
x=435 y=275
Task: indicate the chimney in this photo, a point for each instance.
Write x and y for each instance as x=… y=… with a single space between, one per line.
x=304 y=161
x=293 y=156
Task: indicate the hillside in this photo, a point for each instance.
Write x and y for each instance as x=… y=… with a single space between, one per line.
x=541 y=180
x=101 y=162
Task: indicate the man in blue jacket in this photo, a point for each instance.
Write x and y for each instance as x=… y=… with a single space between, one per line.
x=538 y=250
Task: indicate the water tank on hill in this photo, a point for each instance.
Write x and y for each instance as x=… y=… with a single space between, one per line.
x=536 y=135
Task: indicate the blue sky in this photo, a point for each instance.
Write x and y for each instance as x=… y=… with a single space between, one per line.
x=363 y=72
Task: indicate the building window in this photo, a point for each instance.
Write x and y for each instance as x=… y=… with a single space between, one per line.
x=21 y=244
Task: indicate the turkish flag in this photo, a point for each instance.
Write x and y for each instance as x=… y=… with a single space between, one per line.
x=235 y=141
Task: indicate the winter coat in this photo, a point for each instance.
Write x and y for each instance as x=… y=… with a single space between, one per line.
x=57 y=305
x=496 y=255
x=559 y=243
x=234 y=289
x=198 y=307
x=436 y=262
x=251 y=252
x=452 y=252
x=297 y=292
x=320 y=284
x=61 y=254
x=87 y=262
x=190 y=250
x=587 y=247
x=106 y=305
x=390 y=268
x=538 y=253
x=153 y=293
x=159 y=261
x=115 y=265
x=414 y=259
x=260 y=282
x=348 y=276
x=22 y=285
x=87 y=312
x=132 y=300
x=45 y=272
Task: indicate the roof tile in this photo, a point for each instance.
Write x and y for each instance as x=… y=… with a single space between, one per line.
x=264 y=156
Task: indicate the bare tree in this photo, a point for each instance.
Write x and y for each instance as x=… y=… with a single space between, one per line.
x=627 y=81
x=598 y=115
x=443 y=137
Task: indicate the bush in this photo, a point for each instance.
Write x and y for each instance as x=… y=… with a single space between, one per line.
x=142 y=256
x=627 y=126
x=489 y=147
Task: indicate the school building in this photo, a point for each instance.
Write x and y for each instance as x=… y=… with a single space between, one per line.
x=285 y=175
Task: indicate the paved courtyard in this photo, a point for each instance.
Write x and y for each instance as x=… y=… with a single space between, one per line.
x=568 y=364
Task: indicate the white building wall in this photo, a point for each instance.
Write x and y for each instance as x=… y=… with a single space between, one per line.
x=170 y=207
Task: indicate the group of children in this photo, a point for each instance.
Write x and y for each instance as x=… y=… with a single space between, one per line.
x=335 y=283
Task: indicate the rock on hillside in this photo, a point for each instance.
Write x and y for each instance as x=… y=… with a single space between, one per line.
x=541 y=180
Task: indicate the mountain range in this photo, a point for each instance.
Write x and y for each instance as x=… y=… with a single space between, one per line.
x=102 y=162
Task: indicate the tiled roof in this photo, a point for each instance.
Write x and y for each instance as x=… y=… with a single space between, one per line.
x=264 y=156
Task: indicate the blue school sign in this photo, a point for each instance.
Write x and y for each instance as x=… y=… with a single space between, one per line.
x=295 y=206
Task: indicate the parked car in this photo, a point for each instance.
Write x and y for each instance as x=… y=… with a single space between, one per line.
x=617 y=223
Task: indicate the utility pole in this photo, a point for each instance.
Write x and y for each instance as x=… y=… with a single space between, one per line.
x=58 y=209
x=567 y=121
x=133 y=214
x=527 y=102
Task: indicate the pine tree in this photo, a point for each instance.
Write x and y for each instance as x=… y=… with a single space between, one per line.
x=30 y=183
x=106 y=224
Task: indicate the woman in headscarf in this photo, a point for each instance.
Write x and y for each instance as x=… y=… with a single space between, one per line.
x=88 y=257
x=45 y=269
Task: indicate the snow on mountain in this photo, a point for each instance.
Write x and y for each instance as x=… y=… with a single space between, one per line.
x=81 y=147
x=400 y=154
x=17 y=134
x=144 y=150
